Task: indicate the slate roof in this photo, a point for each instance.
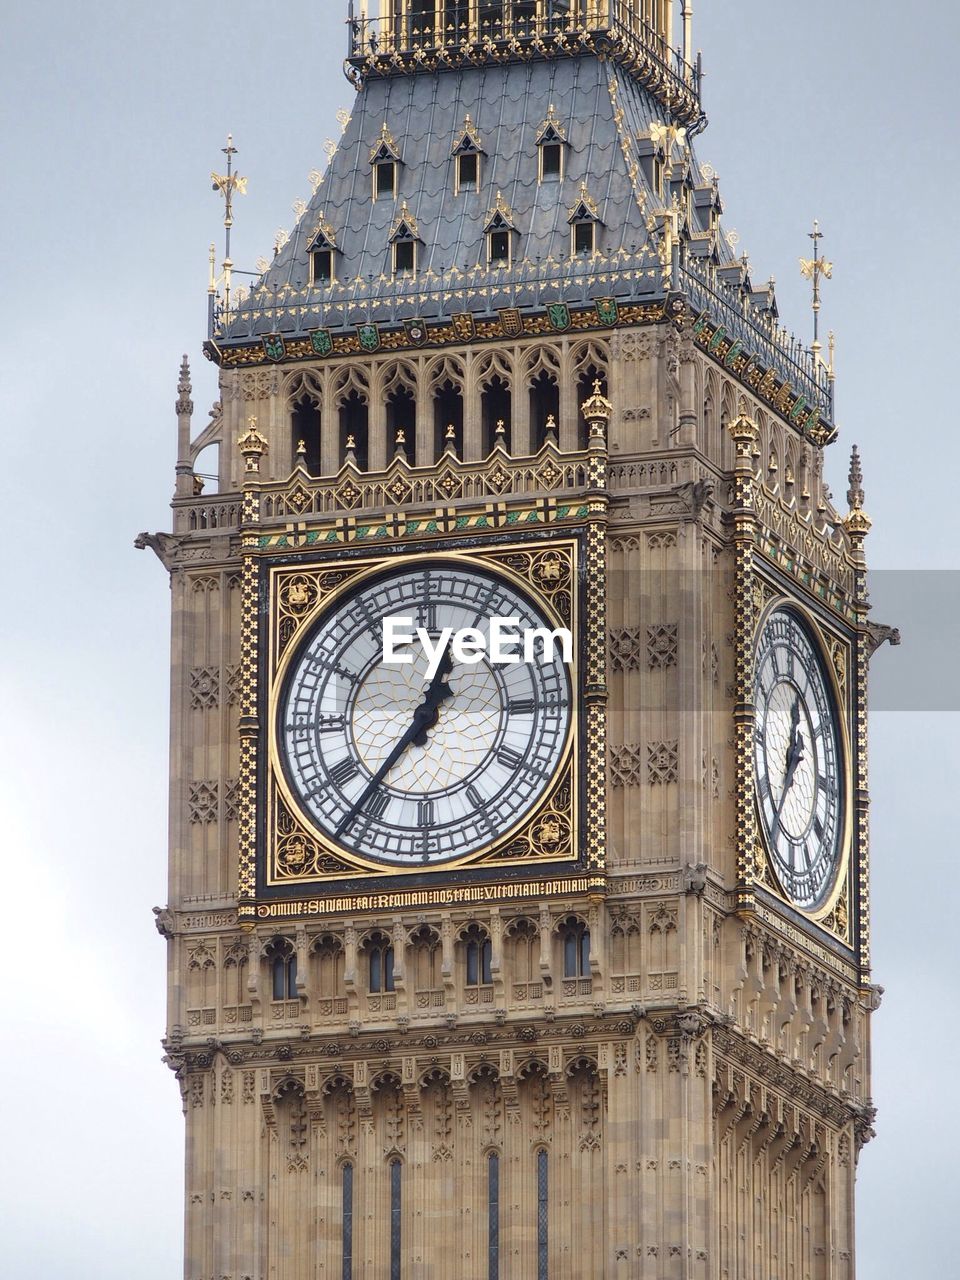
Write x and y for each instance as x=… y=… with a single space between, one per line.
x=602 y=111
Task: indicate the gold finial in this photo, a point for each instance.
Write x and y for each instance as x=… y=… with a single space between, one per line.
x=252 y=445
x=401 y=437
x=301 y=448
x=832 y=367
x=451 y=432
x=501 y=428
x=351 y=442
x=597 y=410
x=816 y=269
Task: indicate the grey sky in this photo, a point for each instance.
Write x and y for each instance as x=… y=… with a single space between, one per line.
x=113 y=118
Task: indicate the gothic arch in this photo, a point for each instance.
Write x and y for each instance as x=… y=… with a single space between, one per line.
x=351 y=380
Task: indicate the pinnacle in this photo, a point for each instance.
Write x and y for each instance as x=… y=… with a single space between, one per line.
x=855 y=494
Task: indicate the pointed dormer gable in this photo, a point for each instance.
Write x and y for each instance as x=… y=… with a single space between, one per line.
x=586 y=208
x=323 y=236
x=501 y=217
x=405 y=226
x=467 y=141
x=385 y=148
x=551 y=130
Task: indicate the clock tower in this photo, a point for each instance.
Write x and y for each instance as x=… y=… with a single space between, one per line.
x=518 y=919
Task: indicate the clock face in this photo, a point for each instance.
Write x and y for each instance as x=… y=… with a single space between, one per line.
x=798 y=760
x=407 y=768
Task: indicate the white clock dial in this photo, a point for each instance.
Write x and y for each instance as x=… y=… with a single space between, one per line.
x=404 y=769
x=798 y=760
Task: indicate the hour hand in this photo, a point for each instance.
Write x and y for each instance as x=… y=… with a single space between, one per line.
x=424 y=719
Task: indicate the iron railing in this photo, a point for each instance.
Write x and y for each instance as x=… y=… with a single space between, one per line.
x=455 y=32
x=437 y=295
x=773 y=347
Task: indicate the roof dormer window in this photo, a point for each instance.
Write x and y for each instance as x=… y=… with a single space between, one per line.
x=405 y=241
x=551 y=146
x=501 y=230
x=322 y=249
x=321 y=266
x=584 y=220
x=584 y=238
x=384 y=160
x=467 y=150
x=385 y=180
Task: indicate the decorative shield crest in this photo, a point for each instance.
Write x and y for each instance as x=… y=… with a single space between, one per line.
x=799 y=405
x=322 y=342
x=558 y=314
x=464 y=325
x=416 y=331
x=510 y=322
x=369 y=337
x=274 y=347
x=607 y=310
x=736 y=350
x=717 y=338
x=813 y=420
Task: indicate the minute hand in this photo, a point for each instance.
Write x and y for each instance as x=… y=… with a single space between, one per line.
x=437 y=693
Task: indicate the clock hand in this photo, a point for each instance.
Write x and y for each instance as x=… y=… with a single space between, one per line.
x=794 y=759
x=424 y=719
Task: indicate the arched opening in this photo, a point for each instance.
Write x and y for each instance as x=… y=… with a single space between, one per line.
x=305 y=430
x=402 y=422
x=575 y=948
x=544 y=407
x=447 y=413
x=282 y=958
x=496 y=408
x=206 y=470
x=380 y=964
x=354 y=428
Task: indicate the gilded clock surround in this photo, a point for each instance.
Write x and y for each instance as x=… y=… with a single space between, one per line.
x=551 y=573
x=833 y=649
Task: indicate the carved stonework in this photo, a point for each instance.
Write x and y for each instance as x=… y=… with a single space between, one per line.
x=626 y=649
x=662 y=646
x=204 y=687
x=662 y=763
x=204 y=802
x=626 y=765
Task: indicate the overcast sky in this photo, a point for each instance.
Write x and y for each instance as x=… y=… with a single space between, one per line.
x=114 y=115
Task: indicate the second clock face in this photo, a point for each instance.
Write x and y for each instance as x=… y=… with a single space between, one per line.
x=409 y=769
x=798 y=760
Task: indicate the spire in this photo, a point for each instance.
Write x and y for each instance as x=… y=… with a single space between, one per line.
x=855 y=494
x=185 y=477
x=857 y=524
x=184 y=388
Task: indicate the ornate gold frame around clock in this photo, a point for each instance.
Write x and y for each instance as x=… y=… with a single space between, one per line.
x=834 y=654
x=299 y=594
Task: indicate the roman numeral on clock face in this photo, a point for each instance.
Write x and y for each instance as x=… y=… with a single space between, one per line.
x=343 y=772
x=377 y=804
x=510 y=758
x=521 y=707
x=425 y=813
